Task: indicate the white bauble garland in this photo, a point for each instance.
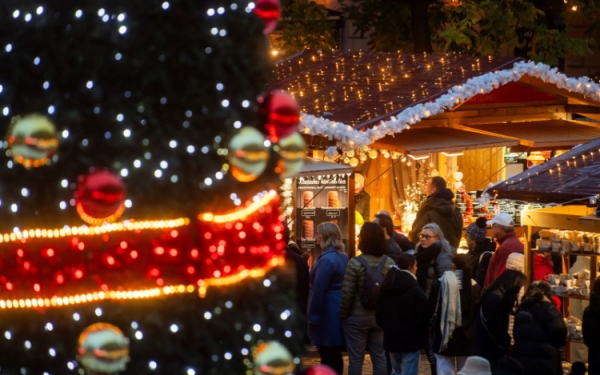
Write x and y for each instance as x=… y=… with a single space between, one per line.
x=349 y=139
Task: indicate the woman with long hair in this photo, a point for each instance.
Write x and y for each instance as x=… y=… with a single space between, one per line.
x=452 y=300
x=360 y=325
x=326 y=278
x=498 y=301
x=540 y=332
x=434 y=256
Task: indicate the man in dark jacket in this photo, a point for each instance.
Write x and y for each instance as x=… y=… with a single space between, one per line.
x=591 y=329
x=393 y=250
x=402 y=314
x=403 y=242
x=438 y=208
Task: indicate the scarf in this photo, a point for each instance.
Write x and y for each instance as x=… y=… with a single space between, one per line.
x=449 y=302
x=424 y=259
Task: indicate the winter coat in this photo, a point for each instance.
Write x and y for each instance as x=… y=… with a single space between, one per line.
x=542 y=266
x=302 y=279
x=463 y=337
x=326 y=277
x=539 y=333
x=353 y=285
x=401 y=312
x=436 y=267
x=393 y=250
x=403 y=241
x=509 y=243
x=591 y=333
x=478 y=250
x=492 y=340
x=439 y=208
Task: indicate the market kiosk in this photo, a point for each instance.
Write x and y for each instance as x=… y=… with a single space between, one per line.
x=574 y=233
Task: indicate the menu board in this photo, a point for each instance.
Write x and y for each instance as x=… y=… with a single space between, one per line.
x=320 y=199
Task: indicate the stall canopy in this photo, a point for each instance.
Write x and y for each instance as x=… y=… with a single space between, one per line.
x=574 y=175
x=438 y=102
x=319 y=167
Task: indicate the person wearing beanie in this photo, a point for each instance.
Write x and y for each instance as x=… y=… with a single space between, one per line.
x=480 y=248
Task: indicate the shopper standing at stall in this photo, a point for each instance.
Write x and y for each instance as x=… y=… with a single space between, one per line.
x=402 y=241
x=358 y=315
x=540 y=332
x=591 y=329
x=492 y=340
x=385 y=222
x=438 y=208
x=402 y=314
x=503 y=227
x=325 y=297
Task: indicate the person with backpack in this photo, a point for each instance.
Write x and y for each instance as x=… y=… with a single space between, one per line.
x=402 y=314
x=326 y=277
x=362 y=282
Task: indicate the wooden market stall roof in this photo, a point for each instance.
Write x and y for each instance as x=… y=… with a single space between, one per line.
x=438 y=102
x=574 y=175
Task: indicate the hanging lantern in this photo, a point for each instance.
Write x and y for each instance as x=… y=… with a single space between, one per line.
x=32 y=140
x=100 y=197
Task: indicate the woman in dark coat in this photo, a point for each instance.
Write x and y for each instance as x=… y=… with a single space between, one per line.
x=539 y=332
x=460 y=345
x=591 y=330
x=325 y=297
x=498 y=301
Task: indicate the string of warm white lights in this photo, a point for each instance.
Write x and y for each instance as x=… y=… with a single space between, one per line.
x=350 y=139
x=127 y=225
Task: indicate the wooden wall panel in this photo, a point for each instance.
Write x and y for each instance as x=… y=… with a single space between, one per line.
x=480 y=167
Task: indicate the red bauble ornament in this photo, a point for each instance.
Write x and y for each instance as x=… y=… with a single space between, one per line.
x=320 y=370
x=100 y=197
x=281 y=114
x=270 y=12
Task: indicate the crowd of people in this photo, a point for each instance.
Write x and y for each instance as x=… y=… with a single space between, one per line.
x=468 y=313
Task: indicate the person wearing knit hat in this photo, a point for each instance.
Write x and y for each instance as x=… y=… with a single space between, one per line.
x=476 y=232
x=476 y=366
x=480 y=248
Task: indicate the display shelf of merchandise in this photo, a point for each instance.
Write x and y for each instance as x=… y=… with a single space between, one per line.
x=579 y=254
x=573 y=296
x=566 y=218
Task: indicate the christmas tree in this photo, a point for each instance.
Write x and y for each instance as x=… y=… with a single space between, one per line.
x=141 y=232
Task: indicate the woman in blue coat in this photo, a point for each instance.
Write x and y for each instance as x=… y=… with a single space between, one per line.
x=326 y=277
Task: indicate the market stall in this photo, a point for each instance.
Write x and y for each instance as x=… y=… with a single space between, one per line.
x=574 y=233
x=456 y=115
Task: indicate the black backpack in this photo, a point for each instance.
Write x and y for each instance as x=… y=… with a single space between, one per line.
x=372 y=283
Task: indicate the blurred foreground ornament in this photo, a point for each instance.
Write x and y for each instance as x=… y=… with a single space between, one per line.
x=270 y=12
x=32 y=140
x=320 y=370
x=248 y=154
x=103 y=349
x=292 y=150
x=272 y=358
x=100 y=197
x=280 y=113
